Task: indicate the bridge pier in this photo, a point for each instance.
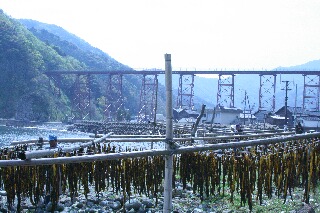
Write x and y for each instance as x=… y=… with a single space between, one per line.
x=148 y=98
x=185 y=91
x=225 y=95
x=311 y=92
x=267 y=92
x=82 y=98
x=114 y=103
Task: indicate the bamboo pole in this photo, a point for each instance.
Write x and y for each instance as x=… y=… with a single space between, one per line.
x=167 y=206
x=155 y=152
x=156 y=138
x=216 y=138
x=62 y=140
x=131 y=136
x=49 y=152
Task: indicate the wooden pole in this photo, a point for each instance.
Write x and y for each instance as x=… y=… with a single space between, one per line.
x=62 y=140
x=194 y=129
x=157 y=152
x=219 y=137
x=156 y=138
x=136 y=136
x=49 y=152
x=167 y=206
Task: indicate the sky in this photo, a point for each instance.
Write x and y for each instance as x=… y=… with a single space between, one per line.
x=199 y=35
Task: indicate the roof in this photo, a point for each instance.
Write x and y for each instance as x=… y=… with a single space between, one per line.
x=312 y=113
x=277 y=117
x=228 y=109
x=187 y=120
x=178 y=109
x=309 y=118
x=192 y=112
x=298 y=110
x=262 y=112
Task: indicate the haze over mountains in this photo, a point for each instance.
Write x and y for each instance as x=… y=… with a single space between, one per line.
x=28 y=48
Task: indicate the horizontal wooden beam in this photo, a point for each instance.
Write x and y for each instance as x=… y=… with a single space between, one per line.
x=50 y=152
x=156 y=152
x=60 y=140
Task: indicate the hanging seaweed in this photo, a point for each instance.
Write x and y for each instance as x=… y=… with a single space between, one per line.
x=261 y=170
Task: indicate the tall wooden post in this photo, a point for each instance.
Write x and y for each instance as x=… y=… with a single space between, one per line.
x=167 y=207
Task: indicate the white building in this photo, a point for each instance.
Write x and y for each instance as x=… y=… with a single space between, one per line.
x=224 y=115
x=310 y=122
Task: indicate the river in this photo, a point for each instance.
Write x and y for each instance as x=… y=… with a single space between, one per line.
x=10 y=133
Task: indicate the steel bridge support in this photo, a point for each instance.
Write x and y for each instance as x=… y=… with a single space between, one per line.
x=82 y=98
x=225 y=95
x=185 y=92
x=114 y=103
x=148 y=98
x=311 y=91
x=267 y=91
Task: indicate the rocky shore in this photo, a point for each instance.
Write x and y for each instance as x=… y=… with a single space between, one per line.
x=184 y=201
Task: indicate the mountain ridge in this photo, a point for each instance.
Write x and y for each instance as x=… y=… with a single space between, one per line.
x=28 y=48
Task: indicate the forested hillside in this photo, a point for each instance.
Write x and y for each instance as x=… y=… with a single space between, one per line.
x=30 y=48
x=24 y=91
x=66 y=43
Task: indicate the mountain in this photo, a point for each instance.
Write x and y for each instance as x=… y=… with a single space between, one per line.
x=311 y=65
x=69 y=44
x=29 y=48
x=24 y=89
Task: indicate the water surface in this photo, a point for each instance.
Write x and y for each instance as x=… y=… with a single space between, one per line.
x=10 y=133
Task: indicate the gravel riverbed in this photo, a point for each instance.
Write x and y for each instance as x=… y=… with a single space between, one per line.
x=184 y=200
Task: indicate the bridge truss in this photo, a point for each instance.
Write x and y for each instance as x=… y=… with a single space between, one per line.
x=148 y=98
x=114 y=101
x=185 y=92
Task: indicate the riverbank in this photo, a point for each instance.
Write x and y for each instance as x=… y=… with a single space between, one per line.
x=184 y=201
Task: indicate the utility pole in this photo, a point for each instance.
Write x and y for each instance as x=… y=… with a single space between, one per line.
x=286 y=102
x=295 y=107
x=245 y=100
x=245 y=107
x=155 y=111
